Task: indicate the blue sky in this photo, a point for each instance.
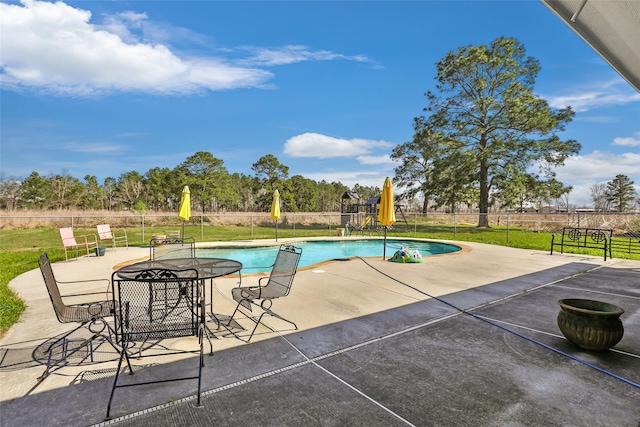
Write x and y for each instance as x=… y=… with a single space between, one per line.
x=329 y=88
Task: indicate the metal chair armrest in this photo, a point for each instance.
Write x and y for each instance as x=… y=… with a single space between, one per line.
x=83 y=281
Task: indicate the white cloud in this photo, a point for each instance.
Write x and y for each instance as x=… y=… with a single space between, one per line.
x=595 y=95
x=133 y=26
x=377 y=160
x=325 y=147
x=350 y=178
x=581 y=172
x=56 y=48
x=53 y=47
x=630 y=141
x=292 y=53
x=94 y=148
x=599 y=166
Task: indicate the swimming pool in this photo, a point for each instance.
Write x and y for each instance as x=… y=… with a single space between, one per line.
x=314 y=252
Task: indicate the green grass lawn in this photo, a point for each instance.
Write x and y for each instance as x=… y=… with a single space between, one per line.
x=20 y=249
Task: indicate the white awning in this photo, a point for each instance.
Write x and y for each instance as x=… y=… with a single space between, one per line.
x=610 y=27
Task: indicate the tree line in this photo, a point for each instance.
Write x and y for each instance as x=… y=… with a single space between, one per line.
x=485 y=141
x=212 y=188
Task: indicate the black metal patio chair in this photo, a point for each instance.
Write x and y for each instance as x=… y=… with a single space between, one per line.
x=278 y=285
x=172 y=247
x=87 y=314
x=157 y=304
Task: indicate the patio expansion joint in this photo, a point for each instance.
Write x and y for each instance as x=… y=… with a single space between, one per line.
x=573 y=288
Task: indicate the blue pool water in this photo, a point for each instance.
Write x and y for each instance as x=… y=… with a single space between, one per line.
x=314 y=252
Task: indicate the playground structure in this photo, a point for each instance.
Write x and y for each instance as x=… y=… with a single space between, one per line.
x=356 y=215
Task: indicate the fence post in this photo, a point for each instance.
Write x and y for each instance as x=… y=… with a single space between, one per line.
x=415 y=224
x=72 y=221
x=455 y=228
x=508 y=219
x=252 y=226
x=202 y=227
x=142 y=218
x=293 y=216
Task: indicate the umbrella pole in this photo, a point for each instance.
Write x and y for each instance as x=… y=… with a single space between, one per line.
x=182 y=235
x=276 y=230
x=384 y=248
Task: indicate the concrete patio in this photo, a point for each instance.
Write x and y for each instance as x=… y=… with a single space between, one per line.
x=378 y=343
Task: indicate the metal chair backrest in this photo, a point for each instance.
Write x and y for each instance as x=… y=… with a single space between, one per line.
x=178 y=247
x=52 y=287
x=68 y=239
x=157 y=304
x=282 y=273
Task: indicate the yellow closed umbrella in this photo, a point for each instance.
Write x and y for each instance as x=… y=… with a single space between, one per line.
x=275 y=210
x=387 y=213
x=185 y=207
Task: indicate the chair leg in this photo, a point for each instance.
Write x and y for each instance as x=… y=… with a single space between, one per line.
x=234 y=313
x=271 y=313
x=115 y=382
x=201 y=364
x=257 y=321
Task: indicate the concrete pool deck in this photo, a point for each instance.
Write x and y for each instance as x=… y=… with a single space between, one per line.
x=373 y=348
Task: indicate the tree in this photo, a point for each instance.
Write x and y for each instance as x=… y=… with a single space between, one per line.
x=9 y=193
x=163 y=188
x=245 y=187
x=35 y=192
x=620 y=193
x=66 y=191
x=416 y=171
x=273 y=176
x=268 y=168
x=486 y=107
x=599 y=196
x=453 y=181
x=109 y=187
x=366 y=193
x=207 y=178
x=305 y=193
x=559 y=193
x=130 y=188
x=92 y=198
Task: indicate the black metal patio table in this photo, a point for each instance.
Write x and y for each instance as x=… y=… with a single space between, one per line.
x=207 y=268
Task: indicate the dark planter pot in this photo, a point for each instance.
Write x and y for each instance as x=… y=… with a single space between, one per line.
x=589 y=324
x=101 y=250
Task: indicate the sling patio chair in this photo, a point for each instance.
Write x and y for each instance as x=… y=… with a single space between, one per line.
x=278 y=285
x=157 y=304
x=172 y=234
x=90 y=315
x=69 y=241
x=115 y=236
